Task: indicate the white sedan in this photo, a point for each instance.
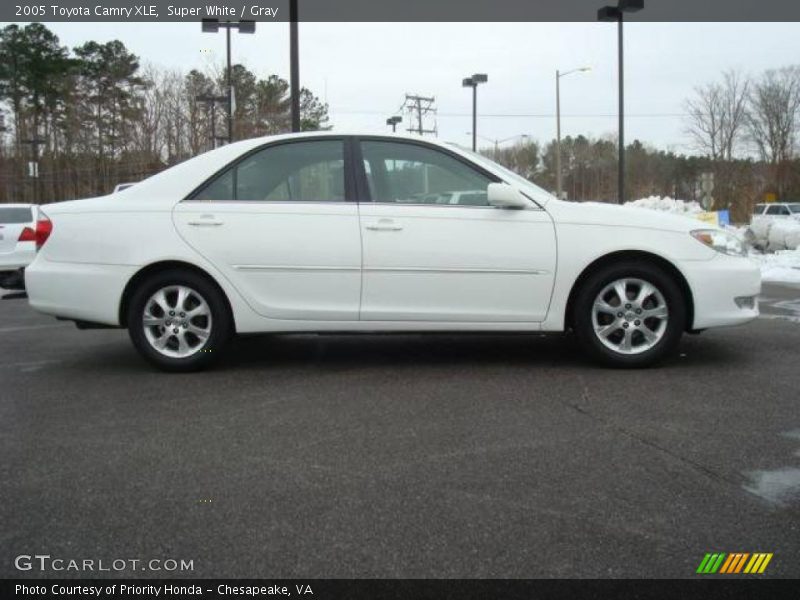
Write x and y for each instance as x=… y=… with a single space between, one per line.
x=18 y=240
x=326 y=232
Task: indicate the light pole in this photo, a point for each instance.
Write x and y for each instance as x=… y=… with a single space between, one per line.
x=559 y=75
x=611 y=14
x=294 y=66
x=473 y=82
x=212 y=26
x=393 y=121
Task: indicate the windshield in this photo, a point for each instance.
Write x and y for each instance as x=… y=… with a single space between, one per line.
x=539 y=194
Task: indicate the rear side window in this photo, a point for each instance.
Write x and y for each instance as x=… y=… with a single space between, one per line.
x=795 y=208
x=310 y=171
x=14 y=215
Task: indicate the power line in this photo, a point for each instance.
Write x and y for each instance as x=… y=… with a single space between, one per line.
x=346 y=111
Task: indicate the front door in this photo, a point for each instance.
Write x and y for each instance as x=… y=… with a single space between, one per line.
x=433 y=248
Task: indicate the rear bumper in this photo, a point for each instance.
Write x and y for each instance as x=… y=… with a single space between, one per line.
x=77 y=291
x=716 y=284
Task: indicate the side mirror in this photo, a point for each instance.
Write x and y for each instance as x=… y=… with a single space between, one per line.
x=503 y=195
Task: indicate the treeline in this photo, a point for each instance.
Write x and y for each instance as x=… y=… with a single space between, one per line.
x=744 y=130
x=93 y=116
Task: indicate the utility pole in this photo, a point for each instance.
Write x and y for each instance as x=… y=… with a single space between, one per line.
x=417 y=108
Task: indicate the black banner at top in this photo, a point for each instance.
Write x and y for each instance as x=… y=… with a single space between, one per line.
x=397 y=10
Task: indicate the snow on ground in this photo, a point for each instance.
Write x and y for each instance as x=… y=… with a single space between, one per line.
x=667 y=204
x=779 y=265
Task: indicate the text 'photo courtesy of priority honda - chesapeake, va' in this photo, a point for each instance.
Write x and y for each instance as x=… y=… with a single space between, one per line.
x=441 y=299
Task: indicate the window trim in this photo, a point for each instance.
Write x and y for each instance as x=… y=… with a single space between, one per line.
x=362 y=185
x=350 y=194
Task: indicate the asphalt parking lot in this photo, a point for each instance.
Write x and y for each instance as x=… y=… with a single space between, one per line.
x=402 y=456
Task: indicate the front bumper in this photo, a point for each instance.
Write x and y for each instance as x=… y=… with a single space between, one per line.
x=716 y=284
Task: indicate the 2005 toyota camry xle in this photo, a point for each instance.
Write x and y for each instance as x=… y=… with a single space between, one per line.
x=332 y=232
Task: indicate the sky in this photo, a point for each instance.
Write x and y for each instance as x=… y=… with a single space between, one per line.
x=364 y=70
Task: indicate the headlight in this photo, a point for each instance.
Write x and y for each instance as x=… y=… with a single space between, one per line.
x=721 y=241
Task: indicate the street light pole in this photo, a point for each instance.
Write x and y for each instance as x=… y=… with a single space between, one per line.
x=558 y=134
x=230 y=85
x=473 y=83
x=611 y=14
x=212 y=26
x=294 y=65
x=393 y=121
x=559 y=75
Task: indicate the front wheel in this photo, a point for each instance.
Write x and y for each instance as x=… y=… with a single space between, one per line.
x=179 y=321
x=629 y=315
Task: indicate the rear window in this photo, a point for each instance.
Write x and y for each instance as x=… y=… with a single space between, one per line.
x=13 y=215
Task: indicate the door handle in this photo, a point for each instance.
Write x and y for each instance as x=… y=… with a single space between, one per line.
x=205 y=221
x=385 y=225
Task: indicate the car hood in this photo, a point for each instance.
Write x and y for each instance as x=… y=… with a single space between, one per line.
x=598 y=213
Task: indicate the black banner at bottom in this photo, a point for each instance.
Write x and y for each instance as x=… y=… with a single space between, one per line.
x=434 y=589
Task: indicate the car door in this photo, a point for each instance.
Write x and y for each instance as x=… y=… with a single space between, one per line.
x=434 y=250
x=280 y=224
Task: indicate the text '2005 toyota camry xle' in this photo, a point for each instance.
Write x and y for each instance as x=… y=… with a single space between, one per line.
x=332 y=232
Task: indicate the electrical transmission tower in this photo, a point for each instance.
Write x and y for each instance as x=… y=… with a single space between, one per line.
x=421 y=112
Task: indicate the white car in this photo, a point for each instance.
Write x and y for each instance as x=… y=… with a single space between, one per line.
x=327 y=232
x=18 y=235
x=776 y=210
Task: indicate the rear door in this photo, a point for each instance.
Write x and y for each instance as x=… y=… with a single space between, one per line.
x=281 y=224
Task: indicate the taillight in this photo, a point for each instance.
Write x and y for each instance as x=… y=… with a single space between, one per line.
x=27 y=235
x=44 y=227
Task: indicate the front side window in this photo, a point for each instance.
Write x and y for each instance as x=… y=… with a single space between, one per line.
x=296 y=172
x=407 y=173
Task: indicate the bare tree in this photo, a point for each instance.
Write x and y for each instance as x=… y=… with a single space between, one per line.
x=718 y=115
x=774 y=117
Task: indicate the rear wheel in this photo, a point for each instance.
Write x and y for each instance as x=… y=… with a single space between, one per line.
x=629 y=314
x=179 y=321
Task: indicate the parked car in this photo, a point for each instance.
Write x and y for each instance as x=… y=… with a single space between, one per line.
x=18 y=240
x=327 y=232
x=776 y=210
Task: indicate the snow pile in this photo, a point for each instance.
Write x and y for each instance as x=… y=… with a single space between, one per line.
x=667 y=204
x=775 y=234
x=782 y=266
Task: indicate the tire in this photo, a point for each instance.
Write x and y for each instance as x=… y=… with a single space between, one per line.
x=195 y=337
x=637 y=332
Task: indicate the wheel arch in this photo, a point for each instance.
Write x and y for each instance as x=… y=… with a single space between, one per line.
x=158 y=267
x=628 y=255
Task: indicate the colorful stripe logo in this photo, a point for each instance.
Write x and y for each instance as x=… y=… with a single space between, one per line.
x=735 y=562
